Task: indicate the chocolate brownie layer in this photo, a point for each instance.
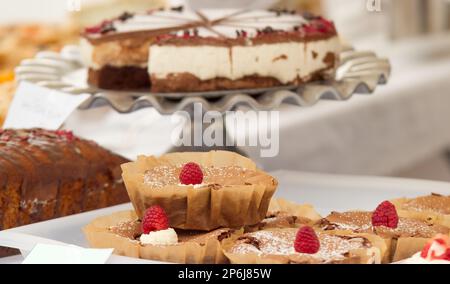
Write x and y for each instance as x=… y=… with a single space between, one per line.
x=187 y=82
x=119 y=78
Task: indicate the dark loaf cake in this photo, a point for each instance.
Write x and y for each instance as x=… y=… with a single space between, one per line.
x=48 y=174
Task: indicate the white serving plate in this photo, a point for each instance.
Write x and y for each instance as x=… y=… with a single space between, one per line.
x=325 y=192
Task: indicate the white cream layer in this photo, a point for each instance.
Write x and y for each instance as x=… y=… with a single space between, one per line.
x=283 y=61
x=163 y=237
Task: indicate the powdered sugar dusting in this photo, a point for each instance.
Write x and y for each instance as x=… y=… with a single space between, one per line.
x=435 y=203
x=358 y=221
x=412 y=228
x=281 y=242
x=165 y=175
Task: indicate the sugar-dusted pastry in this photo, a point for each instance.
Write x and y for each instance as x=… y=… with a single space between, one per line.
x=434 y=208
x=285 y=214
x=153 y=239
x=200 y=191
x=180 y=50
x=405 y=236
x=304 y=246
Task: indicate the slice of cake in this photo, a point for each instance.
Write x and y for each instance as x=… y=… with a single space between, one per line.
x=303 y=246
x=404 y=236
x=434 y=208
x=184 y=51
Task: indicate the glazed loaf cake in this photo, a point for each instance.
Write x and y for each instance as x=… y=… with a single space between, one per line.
x=48 y=174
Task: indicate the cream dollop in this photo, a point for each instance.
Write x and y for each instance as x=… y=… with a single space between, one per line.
x=163 y=237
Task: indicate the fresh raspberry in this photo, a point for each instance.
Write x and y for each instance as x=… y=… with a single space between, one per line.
x=191 y=173
x=155 y=219
x=306 y=241
x=385 y=215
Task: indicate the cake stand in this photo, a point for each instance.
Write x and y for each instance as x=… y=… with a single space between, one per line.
x=359 y=72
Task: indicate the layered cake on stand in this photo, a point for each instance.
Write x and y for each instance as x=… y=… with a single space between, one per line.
x=179 y=50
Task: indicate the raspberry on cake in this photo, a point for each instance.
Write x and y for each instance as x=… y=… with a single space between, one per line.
x=306 y=241
x=191 y=173
x=123 y=232
x=405 y=239
x=233 y=192
x=155 y=219
x=183 y=50
x=291 y=246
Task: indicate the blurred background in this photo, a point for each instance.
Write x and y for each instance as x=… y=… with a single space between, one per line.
x=402 y=130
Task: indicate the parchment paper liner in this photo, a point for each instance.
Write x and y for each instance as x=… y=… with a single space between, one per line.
x=305 y=211
x=285 y=214
x=99 y=236
x=204 y=208
x=358 y=256
x=430 y=217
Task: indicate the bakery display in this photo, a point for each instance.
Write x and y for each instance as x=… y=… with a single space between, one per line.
x=200 y=191
x=179 y=50
x=48 y=174
x=433 y=209
x=404 y=236
x=303 y=246
x=124 y=232
x=182 y=216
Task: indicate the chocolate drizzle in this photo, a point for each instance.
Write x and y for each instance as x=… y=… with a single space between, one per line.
x=177 y=9
x=125 y=16
x=246 y=26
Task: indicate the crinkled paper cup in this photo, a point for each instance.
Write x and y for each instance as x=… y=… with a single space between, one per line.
x=99 y=235
x=232 y=205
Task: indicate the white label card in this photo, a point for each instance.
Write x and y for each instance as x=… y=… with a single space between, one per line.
x=58 y=254
x=35 y=106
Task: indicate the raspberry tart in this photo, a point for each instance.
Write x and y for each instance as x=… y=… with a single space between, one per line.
x=404 y=236
x=200 y=191
x=153 y=239
x=434 y=208
x=304 y=245
x=180 y=50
